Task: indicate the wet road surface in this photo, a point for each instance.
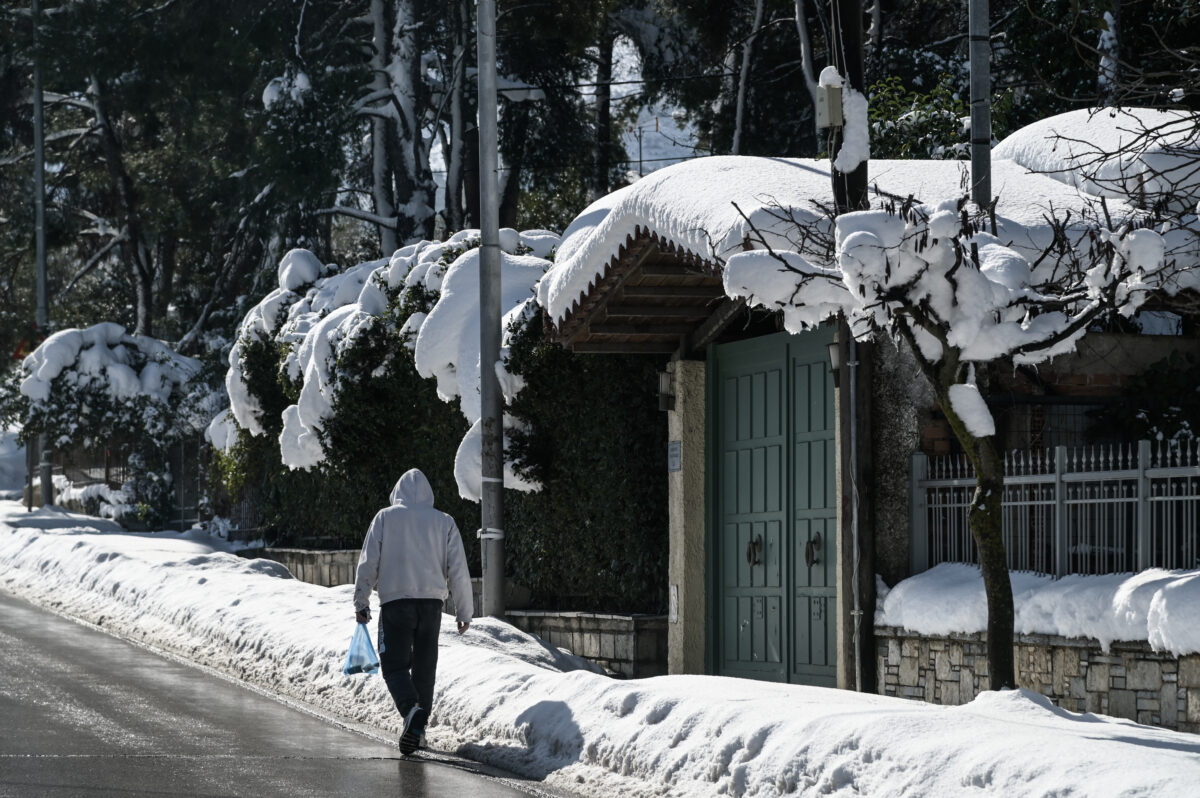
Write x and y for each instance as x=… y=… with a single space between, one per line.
x=83 y=713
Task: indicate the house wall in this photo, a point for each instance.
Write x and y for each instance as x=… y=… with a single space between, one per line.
x=1130 y=680
x=686 y=564
x=901 y=399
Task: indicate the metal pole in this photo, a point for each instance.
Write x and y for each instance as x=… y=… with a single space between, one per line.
x=491 y=419
x=39 y=202
x=980 y=51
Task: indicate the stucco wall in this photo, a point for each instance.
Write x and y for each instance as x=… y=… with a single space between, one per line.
x=686 y=591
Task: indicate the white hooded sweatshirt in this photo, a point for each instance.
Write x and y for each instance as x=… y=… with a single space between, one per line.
x=413 y=551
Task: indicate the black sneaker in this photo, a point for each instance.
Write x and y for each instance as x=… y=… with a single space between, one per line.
x=414 y=726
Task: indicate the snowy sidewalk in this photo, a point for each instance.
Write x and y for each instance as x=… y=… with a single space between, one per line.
x=508 y=700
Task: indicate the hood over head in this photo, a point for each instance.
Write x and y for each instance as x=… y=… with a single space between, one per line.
x=413 y=490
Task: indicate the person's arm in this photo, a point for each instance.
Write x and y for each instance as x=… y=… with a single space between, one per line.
x=368 y=572
x=458 y=576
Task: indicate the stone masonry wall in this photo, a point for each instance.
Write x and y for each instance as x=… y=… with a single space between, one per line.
x=631 y=646
x=324 y=568
x=1129 y=681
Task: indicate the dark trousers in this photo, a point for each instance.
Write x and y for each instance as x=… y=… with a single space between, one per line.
x=408 y=650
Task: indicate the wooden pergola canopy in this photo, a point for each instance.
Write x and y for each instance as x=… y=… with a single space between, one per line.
x=654 y=299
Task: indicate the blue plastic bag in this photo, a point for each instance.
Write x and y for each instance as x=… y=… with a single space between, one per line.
x=361 y=658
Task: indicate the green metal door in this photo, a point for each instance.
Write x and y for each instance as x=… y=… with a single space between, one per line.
x=773 y=508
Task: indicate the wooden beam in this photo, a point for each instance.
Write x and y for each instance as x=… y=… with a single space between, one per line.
x=725 y=313
x=616 y=277
x=658 y=311
x=672 y=270
x=614 y=348
x=672 y=330
x=681 y=291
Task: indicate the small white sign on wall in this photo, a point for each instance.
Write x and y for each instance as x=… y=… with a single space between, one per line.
x=674 y=456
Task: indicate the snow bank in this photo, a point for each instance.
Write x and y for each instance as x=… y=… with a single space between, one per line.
x=1157 y=606
x=538 y=713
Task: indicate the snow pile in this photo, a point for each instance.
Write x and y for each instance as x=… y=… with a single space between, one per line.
x=1145 y=153
x=539 y=713
x=114 y=503
x=1161 y=607
x=318 y=314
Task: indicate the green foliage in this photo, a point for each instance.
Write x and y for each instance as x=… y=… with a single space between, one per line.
x=911 y=124
x=595 y=535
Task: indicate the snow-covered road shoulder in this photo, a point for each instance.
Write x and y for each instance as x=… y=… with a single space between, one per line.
x=507 y=699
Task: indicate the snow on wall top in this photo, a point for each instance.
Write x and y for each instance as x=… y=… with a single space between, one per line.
x=1114 y=152
x=695 y=205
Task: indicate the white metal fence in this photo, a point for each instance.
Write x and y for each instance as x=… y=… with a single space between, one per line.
x=1094 y=510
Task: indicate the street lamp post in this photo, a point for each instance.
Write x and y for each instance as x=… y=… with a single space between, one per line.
x=491 y=534
x=39 y=202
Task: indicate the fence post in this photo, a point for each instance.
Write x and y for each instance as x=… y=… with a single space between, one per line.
x=1143 y=506
x=1060 y=512
x=918 y=472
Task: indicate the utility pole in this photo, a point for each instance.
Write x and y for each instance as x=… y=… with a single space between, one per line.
x=39 y=204
x=491 y=533
x=849 y=189
x=980 y=52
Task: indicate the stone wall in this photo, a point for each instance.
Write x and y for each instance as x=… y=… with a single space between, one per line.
x=1129 y=681
x=324 y=568
x=630 y=646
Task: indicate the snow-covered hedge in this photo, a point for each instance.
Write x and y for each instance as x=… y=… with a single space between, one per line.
x=428 y=292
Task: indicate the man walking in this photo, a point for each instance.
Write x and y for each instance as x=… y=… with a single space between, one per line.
x=411 y=554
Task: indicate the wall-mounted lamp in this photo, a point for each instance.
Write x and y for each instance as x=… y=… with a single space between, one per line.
x=835 y=362
x=666 y=390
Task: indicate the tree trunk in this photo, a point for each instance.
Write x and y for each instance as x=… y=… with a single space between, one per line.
x=471 y=177
x=136 y=255
x=985 y=518
x=744 y=79
x=510 y=190
x=457 y=148
x=603 y=115
x=413 y=180
x=383 y=130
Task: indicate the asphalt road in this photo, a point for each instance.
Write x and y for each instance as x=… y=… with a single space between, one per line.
x=83 y=713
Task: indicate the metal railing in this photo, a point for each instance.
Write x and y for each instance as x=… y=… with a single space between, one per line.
x=1090 y=510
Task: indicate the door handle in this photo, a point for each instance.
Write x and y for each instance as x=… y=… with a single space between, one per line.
x=754 y=551
x=811 y=548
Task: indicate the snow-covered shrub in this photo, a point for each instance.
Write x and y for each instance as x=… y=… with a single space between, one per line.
x=88 y=387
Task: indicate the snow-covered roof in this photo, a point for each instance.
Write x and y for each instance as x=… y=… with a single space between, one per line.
x=715 y=207
x=1114 y=152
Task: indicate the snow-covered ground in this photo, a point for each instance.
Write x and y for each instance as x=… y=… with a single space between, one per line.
x=507 y=699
